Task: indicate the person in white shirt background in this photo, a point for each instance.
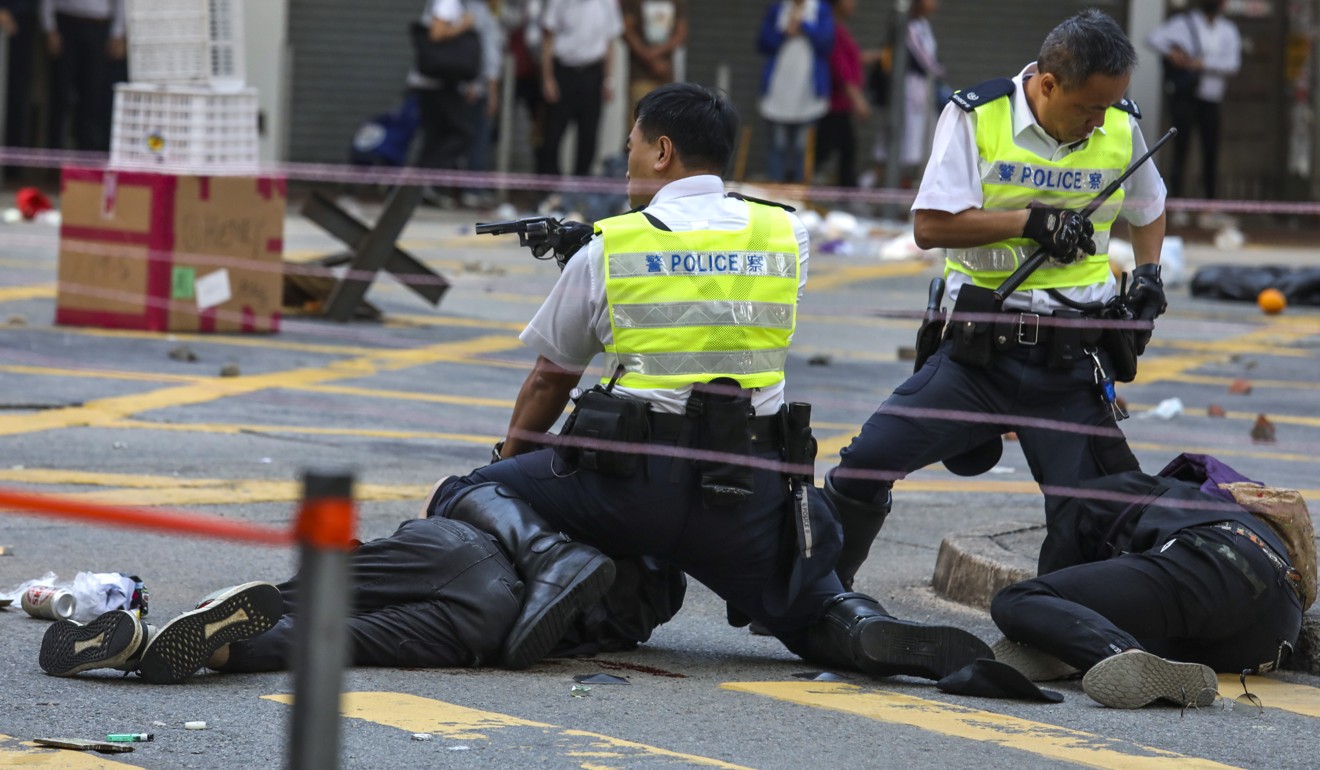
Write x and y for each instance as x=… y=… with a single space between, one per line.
x=1204 y=42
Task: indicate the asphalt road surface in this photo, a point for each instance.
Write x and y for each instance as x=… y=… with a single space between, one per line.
x=110 y=417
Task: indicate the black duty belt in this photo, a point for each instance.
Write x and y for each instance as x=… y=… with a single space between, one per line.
x=671 y=427
x=1294 y=578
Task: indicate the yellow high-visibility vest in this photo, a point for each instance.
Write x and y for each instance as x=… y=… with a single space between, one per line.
x=688 y=307
x=1012 y=178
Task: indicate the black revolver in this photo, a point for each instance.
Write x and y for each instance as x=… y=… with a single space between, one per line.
x=545 y=236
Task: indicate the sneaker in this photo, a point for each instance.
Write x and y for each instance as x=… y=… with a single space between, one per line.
x=1132 y=679
x=183 y=645
x=890 y=646
x=1034 y=664
x=113 y=640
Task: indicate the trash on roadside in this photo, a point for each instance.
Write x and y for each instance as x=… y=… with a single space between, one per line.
x=130 y=737
x=229 y=370
x=1215 y=410
x=1263 y=431
x=197 y=725
x=6 y=550
x=820 y=359
x=459 y=748
x=422 y=736
x=1003 y=470
x=78 y=744
x=1239 y=387
x=49 y=602
x=31 y=202
x=820 y=676
x=1244 y=283
x=1167 y=409
x=580 y=691
x=183 y=353
x=16 y=319
x=119 y=445
x=600 y=679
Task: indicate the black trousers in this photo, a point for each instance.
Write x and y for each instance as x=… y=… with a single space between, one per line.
x=1016 y=384
x=581 y=93
x=18 y=99
x=446 y=131
x=1195 y=116
x=1183 y=600
x=658 y=512
x=437 y=593
x=82 y=79
x=836 y=134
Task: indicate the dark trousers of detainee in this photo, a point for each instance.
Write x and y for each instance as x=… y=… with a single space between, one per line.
x=658 y=512
x=1015 y=384
x=1206 y=596
x=435 y=594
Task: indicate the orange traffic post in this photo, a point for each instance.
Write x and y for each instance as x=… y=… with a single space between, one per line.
x=325 y=527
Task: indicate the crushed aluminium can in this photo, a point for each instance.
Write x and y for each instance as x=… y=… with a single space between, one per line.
x=49 y=602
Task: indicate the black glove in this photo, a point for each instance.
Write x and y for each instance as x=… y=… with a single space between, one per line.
x=1145 y=300
x=497 y=451
x=574 y=237
x=1066 y=235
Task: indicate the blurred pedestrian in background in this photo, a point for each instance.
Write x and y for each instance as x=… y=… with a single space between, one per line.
x=796 y=37
x=83 y=38
x=917 y=100
x=18 y=20
x=446 y=132
x=482 y=96
x=1201 y=50
x=575 y=72
x=654 y=30
x=836 y=134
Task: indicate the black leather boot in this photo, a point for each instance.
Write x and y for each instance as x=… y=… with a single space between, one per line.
x=856 y=633
x=861 y=523
x=561 y=578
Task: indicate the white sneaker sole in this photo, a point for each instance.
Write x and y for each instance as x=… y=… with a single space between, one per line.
x=1135 y=678
x=1034 y=664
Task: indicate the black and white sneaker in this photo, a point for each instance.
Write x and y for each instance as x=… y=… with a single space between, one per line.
x=113 y=640
x=183 y=645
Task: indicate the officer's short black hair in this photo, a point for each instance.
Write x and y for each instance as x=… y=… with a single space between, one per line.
x=701 y=122
x=1089 y=43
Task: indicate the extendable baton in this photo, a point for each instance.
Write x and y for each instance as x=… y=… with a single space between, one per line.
x=1032 y=263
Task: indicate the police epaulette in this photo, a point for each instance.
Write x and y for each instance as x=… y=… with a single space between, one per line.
x=1129 y=106
x=761 y=201
x=969 y=99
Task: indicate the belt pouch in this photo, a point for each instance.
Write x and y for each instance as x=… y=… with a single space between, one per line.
x=1121 y=344
x=724 y=415
x=601 y=417
x=973 y=339
x=1069 y=342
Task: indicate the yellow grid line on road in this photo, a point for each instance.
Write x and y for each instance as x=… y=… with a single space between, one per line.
x=35 y=291
x=416 y=714
x=1041 y=739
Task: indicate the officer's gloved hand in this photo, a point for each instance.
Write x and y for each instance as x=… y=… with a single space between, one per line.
x=1145 y=299
x=573 y=238
x=1066 y=235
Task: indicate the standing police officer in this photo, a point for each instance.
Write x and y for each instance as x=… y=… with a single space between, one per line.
x=693 y=300
x=1013 y=161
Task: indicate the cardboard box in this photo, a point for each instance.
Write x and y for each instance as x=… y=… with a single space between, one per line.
x=170 y=253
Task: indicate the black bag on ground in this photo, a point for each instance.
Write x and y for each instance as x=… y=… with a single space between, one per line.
x=456 y=59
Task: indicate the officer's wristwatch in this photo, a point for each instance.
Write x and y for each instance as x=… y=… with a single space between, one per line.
x=497 y=451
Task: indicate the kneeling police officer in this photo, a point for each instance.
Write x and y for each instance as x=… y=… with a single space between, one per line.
x=679 y=453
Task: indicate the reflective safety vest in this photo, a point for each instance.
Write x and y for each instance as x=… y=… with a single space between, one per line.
x=1012 y=178
x=688 y=307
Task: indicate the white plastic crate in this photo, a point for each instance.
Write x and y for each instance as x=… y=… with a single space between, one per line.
x=178 y=128
x=186 y=42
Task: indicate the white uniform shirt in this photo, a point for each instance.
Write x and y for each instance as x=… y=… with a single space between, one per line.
x=1216 y=43
x=583 y=29
x=952 y=183
x=573 y=325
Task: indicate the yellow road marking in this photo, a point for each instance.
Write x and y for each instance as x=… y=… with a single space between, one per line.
x=403 y=395
x=459 y=723
x=846 y=276
x=103 y=411
x=1205 y=379
x=18 y=753
x=15 y=293
x=1274 y=694
x=104 y=374
x=304 y=430
x=1046 y=740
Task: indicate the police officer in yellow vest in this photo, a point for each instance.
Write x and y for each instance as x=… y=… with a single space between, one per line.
x=678 y=453
x=1013 y=162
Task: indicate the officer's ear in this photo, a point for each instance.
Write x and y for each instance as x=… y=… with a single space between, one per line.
x=665 y=154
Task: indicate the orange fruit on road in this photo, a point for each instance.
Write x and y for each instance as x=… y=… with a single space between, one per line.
x=1271 y=301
